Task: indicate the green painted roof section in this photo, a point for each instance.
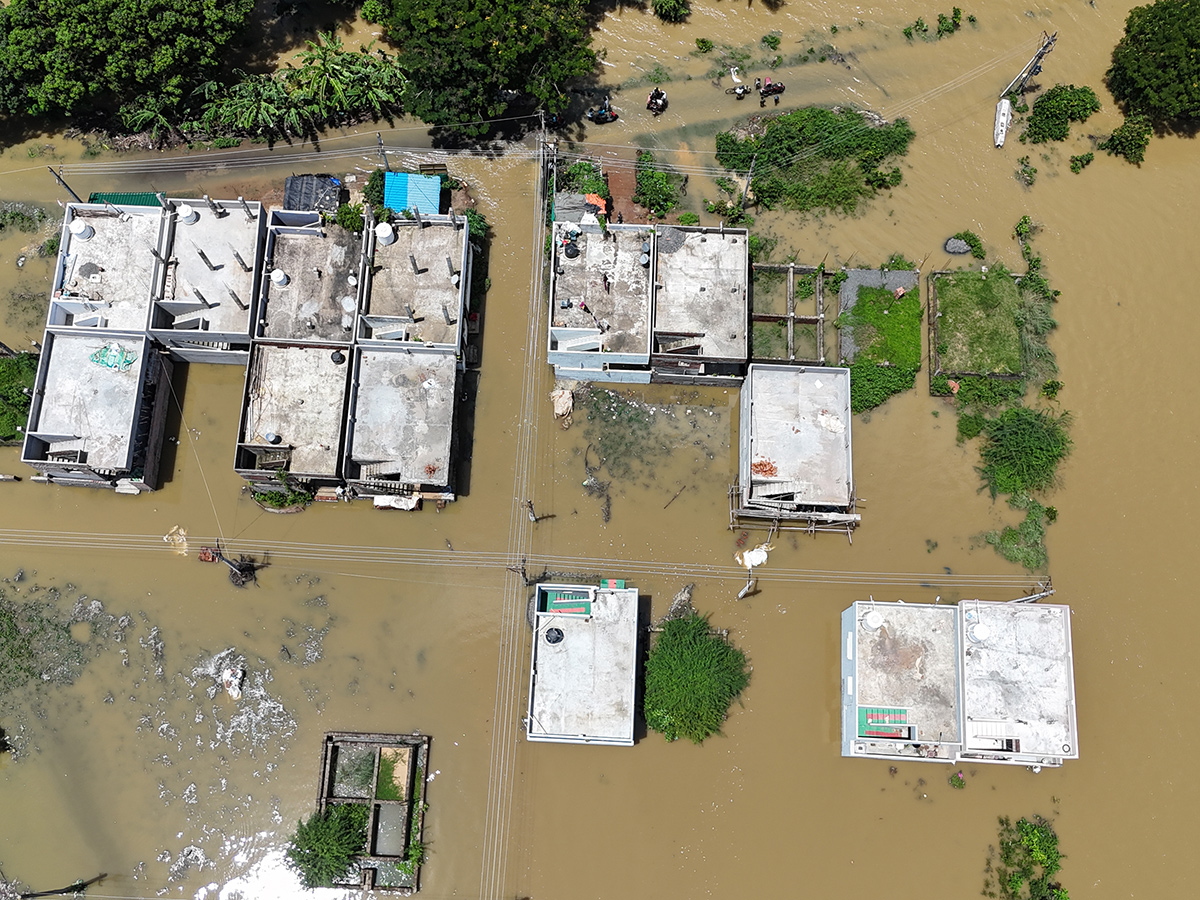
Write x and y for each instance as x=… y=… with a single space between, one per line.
x=118 y=198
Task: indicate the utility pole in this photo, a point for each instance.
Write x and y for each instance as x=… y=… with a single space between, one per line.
x=59 y=179
x=382 y=152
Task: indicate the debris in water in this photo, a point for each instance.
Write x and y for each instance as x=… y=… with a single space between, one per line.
x=231 y=679
x=177 y=538
x=755 y=556
x=564 y=405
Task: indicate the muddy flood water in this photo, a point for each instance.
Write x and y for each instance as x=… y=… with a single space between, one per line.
x=132 y=763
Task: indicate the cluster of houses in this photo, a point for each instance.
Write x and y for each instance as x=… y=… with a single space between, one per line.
x=353 y=343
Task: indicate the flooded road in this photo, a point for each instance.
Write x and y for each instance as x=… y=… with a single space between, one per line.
x=369 y=621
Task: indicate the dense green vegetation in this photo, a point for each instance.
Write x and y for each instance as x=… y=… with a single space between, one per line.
x=1027 y=864
x=657 y=188
x=977 y=328
x=286 y=496
x=72 y=57
x=17 y=375
x=322 y=849
x=1130 y=139
x=385 y=787
x=464 y=58
x=584 y=177
x=1054 y=111
x=1022 y=450
x=1082 y=161
x=814 y=159
x=692 y=676
x=1156 y=65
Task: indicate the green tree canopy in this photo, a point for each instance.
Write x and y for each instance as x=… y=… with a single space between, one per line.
x=1156 y=65
x=465 y=58
x=58 y=56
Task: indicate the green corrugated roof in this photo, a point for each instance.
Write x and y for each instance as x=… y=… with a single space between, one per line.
x=119 y=198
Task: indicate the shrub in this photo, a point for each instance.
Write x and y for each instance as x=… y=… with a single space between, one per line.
x=970 y=425
x=692 y=676
x=704 y=45
x=1130 y=139
x=898 y=263
x=872 y=384
x=373 y=189
x=17 y=374
x=672 y=10
x=688 y=218
x=322 y=849
x=771 y=40
x=971 y=239
x=285 y=496
x=477 y=225
x=656 y=189
x=350 y=217
x=584 y=177
x=1054 y=111
x=760 y=247
x=1023 y=449
x=1156 y=65
x=1026 y=172
x=1081 y=162
x=375 y=11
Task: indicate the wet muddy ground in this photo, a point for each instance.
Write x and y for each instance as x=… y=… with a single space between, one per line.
x=393 y=622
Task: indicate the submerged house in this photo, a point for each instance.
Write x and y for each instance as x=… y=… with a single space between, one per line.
x=583 y=669
x=980 y=681
x=641 y=303
x=794 y=448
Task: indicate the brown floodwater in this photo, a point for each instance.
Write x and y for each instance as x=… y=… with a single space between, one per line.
x=370 y=621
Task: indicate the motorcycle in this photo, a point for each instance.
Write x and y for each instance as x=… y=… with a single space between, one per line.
x=771 y=88
x=657 y=101
x=741 y=91
x=602 y=114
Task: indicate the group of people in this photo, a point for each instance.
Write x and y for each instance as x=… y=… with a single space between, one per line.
x=765 y=89
x=657 y=101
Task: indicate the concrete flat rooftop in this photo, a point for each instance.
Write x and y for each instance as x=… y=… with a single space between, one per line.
x=799 y=439
x=297 y=393
x=703 y=280
x=93 y=401
x=1018 y=682
x=582 y=688
x=395 y=285
x=624 y=306
x=318 y=303
x=218 y=238
x=115 y=268
x=404 y=415
x=911 y=663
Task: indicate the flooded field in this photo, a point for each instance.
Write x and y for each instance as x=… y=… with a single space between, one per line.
x=135 y=764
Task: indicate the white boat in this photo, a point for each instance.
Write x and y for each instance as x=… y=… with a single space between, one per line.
x=1004 y=115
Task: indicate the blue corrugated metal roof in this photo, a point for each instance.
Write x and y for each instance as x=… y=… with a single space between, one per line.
x=404 y=190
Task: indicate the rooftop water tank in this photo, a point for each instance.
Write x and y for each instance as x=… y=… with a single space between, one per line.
x=188 y=215
x=978 y=632
x=873 y=620
x=385 y=234
x=81 y=230
x=279 y=277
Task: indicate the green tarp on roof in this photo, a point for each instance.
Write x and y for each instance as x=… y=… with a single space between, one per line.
x=118 y=198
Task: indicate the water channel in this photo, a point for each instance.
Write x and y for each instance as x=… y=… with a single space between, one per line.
x=368 y=621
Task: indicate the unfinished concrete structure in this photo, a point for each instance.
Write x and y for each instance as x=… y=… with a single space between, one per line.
x=98 y=411
x=794 y=449
x=354 y=374
x=982 y=681
x=131 y=283
x=639 y=303
x=583 y=671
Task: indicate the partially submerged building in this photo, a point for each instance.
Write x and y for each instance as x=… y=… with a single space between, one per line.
x=794 y=449
x=137 y=283
x=980 y=681
x=640 y=303
x=583 y=671
x=353 y=378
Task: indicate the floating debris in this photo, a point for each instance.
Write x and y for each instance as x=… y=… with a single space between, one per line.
x=231 y=680
x=756 y=556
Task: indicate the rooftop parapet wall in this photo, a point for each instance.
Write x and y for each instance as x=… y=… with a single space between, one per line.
x=110 y=265
x=701 y=293
x=214 y=251
x=315 y=295
x=418 y=282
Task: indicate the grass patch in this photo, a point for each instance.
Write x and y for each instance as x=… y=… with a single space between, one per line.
x=768 y=340
x=657 y=189
x=17 y=374
x=814 y=158
x=692 y=676
x=977 y=331
x=1024 y=544
x=414 y=854
x=385 y=784
x=322 y=849
x=583 y=177
x=887 y=333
